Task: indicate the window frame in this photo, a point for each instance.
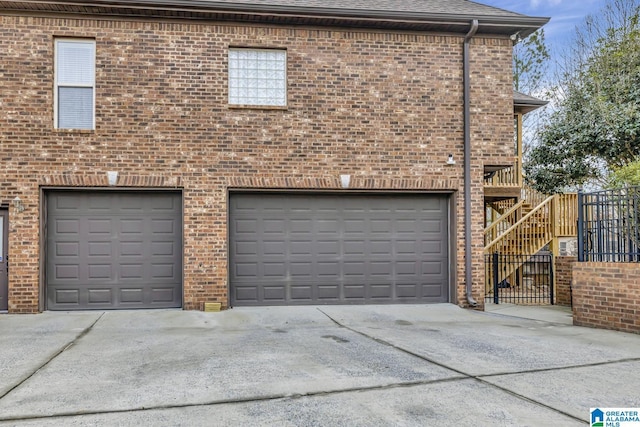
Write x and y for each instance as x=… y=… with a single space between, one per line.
x=57 y=85
x=230 y=80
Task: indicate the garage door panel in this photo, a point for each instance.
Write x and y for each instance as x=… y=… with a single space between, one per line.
x=328 y=225
x=273 y=293
x=163 y=271
x=247 y=248
x=355 y=292
x=381 y=269
x=100 y=296
x=332 y=249
x=95 y=249
x=354 y=247
x=67 y=226
x=96 y=202
x=433 y=247
x=129 y=272
x=246 y=270
x=301 y=270
x=408 y=290
x=163 y=295
x=328 y=270
x=270 y=226
x=301 y=292
x=163 y=249
x=249 y=226
x=278 y=248
x=163 y=226
x=100 y=271
x=275 y=269
x=131 y=248
x=432 y=290
x=433 y=267
x=67 y=272
x=132 y=295
x=301 y=247
x=328 y=292
x=100 y=226
x=380 y=247
x=249 y=294
x=67 y=249
x=66 y=202
x=66 y=296
x=127 y=249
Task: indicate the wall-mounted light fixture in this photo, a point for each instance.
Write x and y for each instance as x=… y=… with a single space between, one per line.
x=112 y=176
x=345 y=181
x=18 y=205
x=450 y=160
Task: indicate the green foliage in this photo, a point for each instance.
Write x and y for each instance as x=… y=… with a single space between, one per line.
x=596 y=124
x=625 y=176
x=530 y=63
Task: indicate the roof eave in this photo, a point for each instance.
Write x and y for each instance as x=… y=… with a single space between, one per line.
x=507 y=25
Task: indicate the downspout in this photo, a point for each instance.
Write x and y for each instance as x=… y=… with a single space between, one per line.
x=467 y=164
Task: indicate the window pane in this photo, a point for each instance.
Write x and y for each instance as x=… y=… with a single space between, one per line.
x=75 y=108
x=75 y=63
x=257 y=77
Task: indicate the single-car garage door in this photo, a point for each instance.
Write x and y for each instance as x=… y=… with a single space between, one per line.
x=113 y=249
x=293 y=249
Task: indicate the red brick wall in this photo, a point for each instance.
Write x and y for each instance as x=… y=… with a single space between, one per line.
x=564 y=277
x=607 y=296
x=383 y=107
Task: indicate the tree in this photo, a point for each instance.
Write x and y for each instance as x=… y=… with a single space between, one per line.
x=530 y=63
x=596 y=123
x=530 y=76
x=625 y=176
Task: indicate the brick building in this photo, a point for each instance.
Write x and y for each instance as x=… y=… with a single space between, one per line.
x=172 y=153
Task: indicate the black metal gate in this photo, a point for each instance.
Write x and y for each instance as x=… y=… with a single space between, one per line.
x=519 y=279
x=609 y=225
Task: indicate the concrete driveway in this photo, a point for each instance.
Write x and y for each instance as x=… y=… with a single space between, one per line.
x=304 y=366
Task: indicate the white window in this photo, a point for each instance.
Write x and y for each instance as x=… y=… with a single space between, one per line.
x=258 y=77
x=74 y=83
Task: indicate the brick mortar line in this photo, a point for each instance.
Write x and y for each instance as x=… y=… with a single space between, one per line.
x=64 y=348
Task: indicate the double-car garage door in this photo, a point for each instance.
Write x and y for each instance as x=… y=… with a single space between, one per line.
x=113 y=249
x=123 y=249
x=293 y=249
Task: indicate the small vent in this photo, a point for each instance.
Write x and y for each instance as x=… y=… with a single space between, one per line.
x=563 y=248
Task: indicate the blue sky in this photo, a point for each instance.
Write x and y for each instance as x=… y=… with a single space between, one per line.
x=565 y=15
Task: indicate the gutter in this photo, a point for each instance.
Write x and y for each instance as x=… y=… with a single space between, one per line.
x=467 y=164
x=506 y=24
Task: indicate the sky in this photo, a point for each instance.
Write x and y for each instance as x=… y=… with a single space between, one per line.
x=565 y=15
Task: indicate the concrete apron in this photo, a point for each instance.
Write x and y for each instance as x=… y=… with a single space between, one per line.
x=325 y=365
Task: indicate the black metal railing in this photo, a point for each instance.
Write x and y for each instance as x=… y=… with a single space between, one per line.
x=519 y=279
x=609 y=225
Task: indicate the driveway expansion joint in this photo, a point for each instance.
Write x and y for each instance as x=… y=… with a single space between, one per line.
x=64 y=348
x=252 y=399
x=478 y=378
